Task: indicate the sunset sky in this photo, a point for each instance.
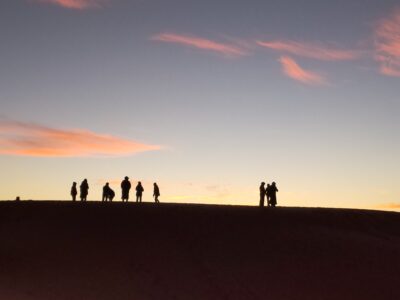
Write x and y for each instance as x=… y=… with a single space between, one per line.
x=207 y=98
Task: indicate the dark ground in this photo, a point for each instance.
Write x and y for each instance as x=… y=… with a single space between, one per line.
x=64 y=250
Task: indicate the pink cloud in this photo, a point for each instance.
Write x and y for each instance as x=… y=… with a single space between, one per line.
x=23 y=139
x=294 y=71
x=387 y=44
x=314 y=51
x=75 y=4
x=227 y=50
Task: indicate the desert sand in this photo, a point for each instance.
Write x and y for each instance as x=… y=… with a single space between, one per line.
x=64 y=250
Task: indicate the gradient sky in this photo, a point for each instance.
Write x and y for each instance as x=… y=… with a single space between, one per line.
x=208 y=98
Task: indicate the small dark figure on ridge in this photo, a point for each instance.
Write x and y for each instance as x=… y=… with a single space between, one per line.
x=273 y=190
x=108 y=193
x=156 y=192
x=139 y=192
x=84 y=188
x=125 y=186
x=268 y=193
x=74 y=191
x=262 y=194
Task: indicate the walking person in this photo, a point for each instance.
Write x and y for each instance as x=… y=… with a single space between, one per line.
x=139 y=192
x=74 y=191
x=125 y=186
x=273 y=191
x=156 y=192
x=84 y=189
x=262 y=194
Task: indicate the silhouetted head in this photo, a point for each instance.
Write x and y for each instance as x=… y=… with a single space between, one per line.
x=154 y=183
x=263 y=183
x=126 y=177
x=85 y=179
x=74 y=183
x=139 y=183
x=268 y=184
x=107 y=183
x=273 y=183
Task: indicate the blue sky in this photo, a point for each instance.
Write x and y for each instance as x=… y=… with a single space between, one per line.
x=207 y=98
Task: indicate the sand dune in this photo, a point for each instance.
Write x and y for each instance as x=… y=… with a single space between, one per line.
x=64 y=250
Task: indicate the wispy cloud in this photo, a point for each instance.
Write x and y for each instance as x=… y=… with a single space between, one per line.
x=310 y=50
x=75 y=4
x=387 y=44
x=294 y=71
x=25 y=139
x=226 y=49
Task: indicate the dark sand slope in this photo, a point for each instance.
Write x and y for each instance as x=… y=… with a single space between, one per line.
x=52 y=251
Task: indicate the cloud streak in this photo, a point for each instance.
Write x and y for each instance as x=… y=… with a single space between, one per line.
x=75 y=4
x=228 y=50
x=387 y=44
x=314 y=51
x=25 y=139
x=294 y=71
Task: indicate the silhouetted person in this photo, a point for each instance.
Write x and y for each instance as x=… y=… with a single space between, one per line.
x=273 y=191
x=74 y=191
x=156 y=192
x=106 y=192
x=125 y=186
x=268 y=193
x=262 y=194
x=84 y=187
x=111 y=195
x=17 y=199
x=139 y=192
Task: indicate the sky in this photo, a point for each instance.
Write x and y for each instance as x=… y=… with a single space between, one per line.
x=206 y=98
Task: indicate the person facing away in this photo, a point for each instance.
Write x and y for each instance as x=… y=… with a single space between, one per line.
x=74 y=191
x=262 y=194
x=268 y=193
x=84 y=188
x=125 y=187
x=106 y=192
x=156 y=192
x=273 y=190
x=139 y=192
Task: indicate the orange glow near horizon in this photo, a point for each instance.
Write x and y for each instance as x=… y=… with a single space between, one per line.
x=22 y=139
x=75 y=4
x=387 y=44
x=310 y=50
x=200 y=43
x=294 y=71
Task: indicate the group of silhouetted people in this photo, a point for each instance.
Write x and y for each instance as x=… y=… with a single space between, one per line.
x=109 y=194
x=270 y=192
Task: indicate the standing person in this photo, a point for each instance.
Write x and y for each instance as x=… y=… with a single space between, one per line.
x=106 y=192
x=139 y=192
x=125 y=186
x=156 y=193
x=262 y=194
x=74 y=191
x=273 y=191
x=84 y=187
x=268 y=193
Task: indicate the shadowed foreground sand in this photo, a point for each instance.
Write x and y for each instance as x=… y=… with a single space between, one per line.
x=94 y=251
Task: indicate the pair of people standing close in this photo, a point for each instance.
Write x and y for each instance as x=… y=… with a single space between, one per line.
x=126 y=186
x=270 y=192
x=84 y=190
